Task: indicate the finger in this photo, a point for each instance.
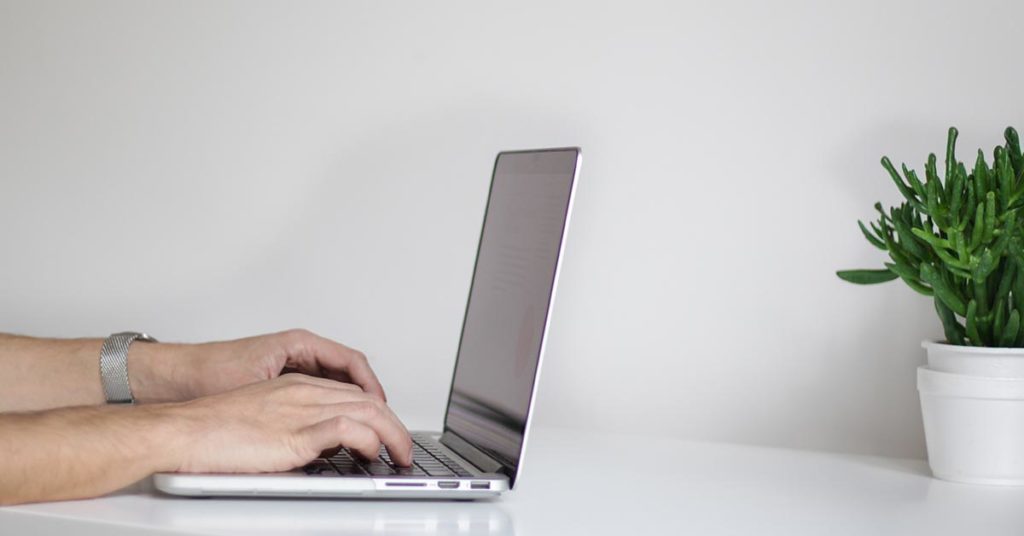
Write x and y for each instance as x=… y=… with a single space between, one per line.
x=326 y=383
x=321 y=398
x=340 y=360
x=325 y=397
x=385 y=423
x=335 y=358
x=343 y=431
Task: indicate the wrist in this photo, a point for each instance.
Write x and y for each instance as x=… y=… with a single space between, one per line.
x=156 y=372
x=161 y=430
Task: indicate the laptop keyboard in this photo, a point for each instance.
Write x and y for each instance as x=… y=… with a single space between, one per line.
x=427 y=460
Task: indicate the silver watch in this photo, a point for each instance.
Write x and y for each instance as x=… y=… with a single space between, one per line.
x=114 y=366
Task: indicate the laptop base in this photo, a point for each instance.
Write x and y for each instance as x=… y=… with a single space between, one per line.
x=306 y=482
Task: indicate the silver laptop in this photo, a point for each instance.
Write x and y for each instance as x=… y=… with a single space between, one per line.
x=480 y=452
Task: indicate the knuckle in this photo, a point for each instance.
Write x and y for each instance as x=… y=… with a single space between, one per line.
x=359 y=396
x=342 y=424
x=298 y=334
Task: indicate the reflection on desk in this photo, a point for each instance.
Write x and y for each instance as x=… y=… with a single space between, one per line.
x=326 y=516
x=596 y=484
x=141 y=506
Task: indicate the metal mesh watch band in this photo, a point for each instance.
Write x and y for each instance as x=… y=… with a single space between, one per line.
x=114 y=366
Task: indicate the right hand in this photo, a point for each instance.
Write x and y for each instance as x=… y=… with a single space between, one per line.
x=283 y=423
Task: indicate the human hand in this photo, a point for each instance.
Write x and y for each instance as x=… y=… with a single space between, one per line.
x=162 y=372
x=273 y=425
x=281 y=424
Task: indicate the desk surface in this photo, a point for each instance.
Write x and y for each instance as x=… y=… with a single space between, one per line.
x=577 y=483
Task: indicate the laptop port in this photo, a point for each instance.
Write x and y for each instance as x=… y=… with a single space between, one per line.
x=480 y=485
x=448 y=484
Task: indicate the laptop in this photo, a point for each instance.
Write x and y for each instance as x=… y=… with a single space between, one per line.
x=480 y=452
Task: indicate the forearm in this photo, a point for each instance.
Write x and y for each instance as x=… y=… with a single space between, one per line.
x=53 y=373
x=47 y=373
x=84 y=452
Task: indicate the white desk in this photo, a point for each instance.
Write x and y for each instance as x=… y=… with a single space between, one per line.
x=576 y=483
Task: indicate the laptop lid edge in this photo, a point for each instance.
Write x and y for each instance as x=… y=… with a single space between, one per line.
x=457 y=443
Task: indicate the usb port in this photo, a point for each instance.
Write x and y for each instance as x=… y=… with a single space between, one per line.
x=447 y=484
x=480 y=485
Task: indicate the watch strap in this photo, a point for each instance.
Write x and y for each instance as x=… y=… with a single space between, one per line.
x=114 y=366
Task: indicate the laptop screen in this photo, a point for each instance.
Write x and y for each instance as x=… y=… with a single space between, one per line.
x=509 y=301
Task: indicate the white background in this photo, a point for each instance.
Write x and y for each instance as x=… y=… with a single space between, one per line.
x=211 y=170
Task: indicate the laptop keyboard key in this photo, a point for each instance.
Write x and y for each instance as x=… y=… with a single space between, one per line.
x=320 y=468
x=349 y=469
x=438 y=471
x=378 y=468
x=428 y=460
x=410 y=471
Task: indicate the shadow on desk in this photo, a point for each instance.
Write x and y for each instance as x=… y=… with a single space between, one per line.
x=907 y=467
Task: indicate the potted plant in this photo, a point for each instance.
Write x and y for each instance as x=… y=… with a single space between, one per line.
x=959 y=239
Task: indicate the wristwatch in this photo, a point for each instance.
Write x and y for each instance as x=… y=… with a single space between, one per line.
x=114 y=366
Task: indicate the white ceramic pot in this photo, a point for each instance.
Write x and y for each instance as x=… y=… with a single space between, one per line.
x=972 y=401
x=974 y=361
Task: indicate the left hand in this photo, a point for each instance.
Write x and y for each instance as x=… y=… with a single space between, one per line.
x=161 y=372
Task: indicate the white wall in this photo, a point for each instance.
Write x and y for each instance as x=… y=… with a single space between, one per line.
x=214 y=170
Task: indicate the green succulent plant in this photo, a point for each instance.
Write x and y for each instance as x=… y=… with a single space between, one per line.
x=958 y=239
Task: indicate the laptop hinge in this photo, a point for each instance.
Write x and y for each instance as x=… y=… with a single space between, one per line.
x=472 y=454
